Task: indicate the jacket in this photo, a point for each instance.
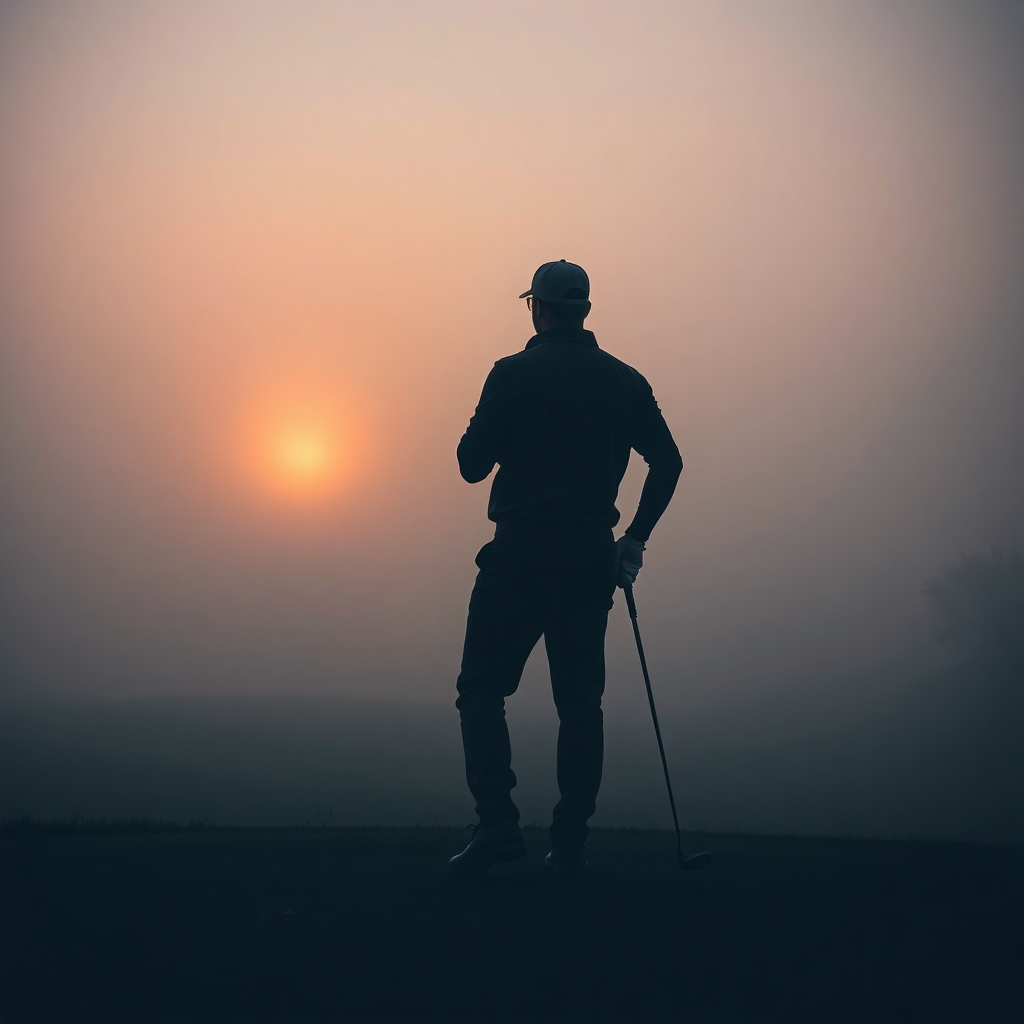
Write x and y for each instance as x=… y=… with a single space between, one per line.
x=559 y=420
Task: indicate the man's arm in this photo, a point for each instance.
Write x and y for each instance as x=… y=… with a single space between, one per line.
x=653 y=440
x=478 y=450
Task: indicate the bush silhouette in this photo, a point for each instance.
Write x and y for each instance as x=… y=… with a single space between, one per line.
x=979 y=607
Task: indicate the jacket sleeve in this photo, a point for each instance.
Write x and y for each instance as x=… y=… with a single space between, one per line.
x=653 y=440
x=479 y=448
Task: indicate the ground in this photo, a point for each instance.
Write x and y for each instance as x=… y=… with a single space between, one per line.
x=363 y=925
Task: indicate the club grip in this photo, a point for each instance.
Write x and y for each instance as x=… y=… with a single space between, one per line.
x=630 y=603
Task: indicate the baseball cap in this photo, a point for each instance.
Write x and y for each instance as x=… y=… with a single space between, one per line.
x=559 y=281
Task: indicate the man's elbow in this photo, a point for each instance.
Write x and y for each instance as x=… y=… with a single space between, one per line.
x=668 y=465
x=473 y=474
x=473 y=466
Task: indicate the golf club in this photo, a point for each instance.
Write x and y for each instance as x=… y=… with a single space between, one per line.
x=691 y=861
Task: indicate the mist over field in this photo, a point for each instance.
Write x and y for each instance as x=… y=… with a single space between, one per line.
x=256 y=260
x=931 y=763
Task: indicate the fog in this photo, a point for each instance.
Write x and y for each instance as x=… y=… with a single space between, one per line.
x=228 y=226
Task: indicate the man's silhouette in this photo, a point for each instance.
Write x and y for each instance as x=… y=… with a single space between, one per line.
x=559 y=419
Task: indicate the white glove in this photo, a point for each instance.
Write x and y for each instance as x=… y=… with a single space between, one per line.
x=629 y=558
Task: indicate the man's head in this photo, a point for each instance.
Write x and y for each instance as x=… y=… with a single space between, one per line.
x=559 y=296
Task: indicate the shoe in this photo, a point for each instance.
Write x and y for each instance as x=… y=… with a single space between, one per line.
x=488 y=847
x=567 y=861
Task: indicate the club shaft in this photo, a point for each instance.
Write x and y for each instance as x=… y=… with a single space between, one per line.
x=631 y=605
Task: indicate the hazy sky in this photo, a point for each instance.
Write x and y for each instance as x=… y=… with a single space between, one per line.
x=257 y=258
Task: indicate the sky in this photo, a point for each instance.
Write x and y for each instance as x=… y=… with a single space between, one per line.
x=257 y=258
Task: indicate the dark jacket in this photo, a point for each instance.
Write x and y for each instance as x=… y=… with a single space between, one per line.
x=559 y=419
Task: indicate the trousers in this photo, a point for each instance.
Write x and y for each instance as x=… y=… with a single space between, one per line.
x=555 y=582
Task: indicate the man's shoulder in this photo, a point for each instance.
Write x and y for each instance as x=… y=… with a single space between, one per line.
x=538 y=359
x=621 y=365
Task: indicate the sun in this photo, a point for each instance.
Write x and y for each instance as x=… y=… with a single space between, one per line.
x=301 y=460
x=303 y=454
x=297 y=440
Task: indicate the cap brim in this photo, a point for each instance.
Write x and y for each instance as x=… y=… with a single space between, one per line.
x=561 y=302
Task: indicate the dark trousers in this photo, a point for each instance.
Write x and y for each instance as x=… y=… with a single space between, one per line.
x=556 y=583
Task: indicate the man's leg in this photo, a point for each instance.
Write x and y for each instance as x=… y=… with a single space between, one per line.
x=504 y=624
x=575 y=648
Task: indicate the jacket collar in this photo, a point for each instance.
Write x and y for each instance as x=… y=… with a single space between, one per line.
x=578 y=335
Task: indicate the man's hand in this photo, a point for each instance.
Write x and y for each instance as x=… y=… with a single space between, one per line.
x=629 y=558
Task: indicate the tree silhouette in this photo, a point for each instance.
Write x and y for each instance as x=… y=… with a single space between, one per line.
x=979 y=606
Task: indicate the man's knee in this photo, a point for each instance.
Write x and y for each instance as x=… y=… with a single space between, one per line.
x=582 y=707
x=482 y=680
x=578 y=687
x=483 y=695
x=474 y=702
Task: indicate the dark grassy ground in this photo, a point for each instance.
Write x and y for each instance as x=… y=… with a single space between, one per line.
x=362 y=925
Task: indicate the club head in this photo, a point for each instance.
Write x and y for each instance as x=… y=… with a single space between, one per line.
x=693 y=861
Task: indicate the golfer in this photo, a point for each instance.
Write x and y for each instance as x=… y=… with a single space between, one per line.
x=559 y=420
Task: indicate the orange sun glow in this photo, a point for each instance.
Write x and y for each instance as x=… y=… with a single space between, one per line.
x=299 y=436
x=301 y=459
x=303 y=455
